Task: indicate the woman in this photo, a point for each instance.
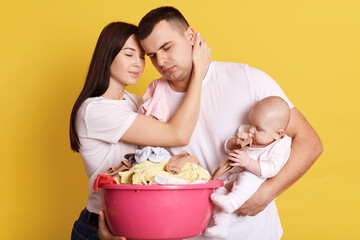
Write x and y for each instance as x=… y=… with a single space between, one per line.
x=104 y=123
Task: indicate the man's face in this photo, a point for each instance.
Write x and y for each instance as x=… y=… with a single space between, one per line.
x=170 y=51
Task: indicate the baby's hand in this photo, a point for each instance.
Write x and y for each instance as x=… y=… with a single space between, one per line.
x=239 y=158
x=242 y=135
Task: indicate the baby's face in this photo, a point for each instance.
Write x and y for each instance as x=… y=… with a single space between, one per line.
x=261 y=129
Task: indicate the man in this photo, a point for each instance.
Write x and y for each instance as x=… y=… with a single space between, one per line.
x=228 y=93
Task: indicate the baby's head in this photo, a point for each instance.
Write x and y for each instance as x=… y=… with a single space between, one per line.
x=268 y=120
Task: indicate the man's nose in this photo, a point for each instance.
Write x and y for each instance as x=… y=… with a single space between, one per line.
x=161 y=59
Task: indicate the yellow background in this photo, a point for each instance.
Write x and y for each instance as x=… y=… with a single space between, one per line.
x=310 y=47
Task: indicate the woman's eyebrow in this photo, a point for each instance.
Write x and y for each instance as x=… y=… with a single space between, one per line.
x=129 y=48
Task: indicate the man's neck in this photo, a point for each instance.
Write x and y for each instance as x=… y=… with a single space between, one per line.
x=180 y=86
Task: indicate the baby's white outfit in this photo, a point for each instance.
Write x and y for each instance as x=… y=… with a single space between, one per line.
x=272 y=158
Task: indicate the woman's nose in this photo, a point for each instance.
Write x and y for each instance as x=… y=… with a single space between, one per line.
x=137 y=62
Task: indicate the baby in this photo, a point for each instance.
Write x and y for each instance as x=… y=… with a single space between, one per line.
x=269 y=152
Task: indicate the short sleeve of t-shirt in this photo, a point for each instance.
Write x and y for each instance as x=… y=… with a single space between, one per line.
x=262 y=86
x=108 y=120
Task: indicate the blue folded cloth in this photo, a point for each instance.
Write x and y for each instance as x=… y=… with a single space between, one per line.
x=153 y=154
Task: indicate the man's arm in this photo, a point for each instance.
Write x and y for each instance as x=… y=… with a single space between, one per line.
x=306 y=147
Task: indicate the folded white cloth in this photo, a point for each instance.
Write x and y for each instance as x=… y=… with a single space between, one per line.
x=161 y=180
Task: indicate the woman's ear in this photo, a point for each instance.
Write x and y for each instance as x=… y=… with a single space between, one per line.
x=279 y=134
x=191 y=35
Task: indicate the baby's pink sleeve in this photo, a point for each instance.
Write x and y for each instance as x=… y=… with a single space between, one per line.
x=154 y=104
x=149 y=91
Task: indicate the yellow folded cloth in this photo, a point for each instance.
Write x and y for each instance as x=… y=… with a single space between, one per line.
x=142 y=173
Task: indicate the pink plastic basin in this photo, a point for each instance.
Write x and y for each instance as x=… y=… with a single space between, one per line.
x=158 y=211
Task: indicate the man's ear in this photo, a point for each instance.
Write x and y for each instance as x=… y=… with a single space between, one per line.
x=279 y=134
x=191 y=35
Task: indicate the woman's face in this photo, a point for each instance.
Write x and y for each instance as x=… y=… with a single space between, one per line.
x=128 y=64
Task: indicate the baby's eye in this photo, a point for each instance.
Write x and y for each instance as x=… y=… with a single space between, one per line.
x=128 y=55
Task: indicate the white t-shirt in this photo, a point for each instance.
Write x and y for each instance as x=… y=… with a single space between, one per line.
x=229 y=91
x=100 y=124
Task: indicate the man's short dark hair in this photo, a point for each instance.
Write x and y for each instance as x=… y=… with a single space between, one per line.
x=170 y=14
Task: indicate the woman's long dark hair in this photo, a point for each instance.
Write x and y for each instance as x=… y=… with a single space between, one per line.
x=109 y=44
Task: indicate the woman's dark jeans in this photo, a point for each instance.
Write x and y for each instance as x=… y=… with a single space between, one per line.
x=86 y=227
